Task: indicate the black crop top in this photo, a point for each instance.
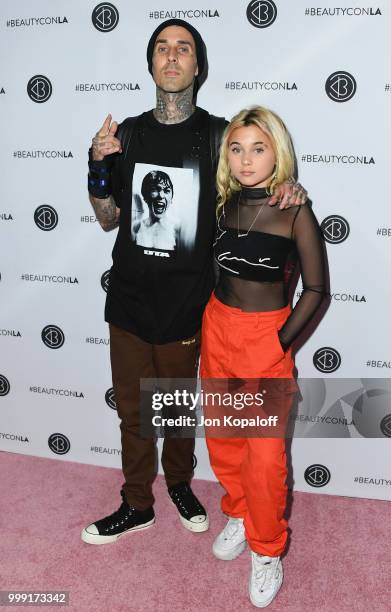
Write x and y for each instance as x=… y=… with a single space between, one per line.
x=257 y=256
x=257 y=248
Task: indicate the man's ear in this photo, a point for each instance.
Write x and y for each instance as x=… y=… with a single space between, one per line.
x=196 y=72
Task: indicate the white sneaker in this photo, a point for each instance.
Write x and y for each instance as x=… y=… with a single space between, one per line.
x=231 y=542
x=265 y=580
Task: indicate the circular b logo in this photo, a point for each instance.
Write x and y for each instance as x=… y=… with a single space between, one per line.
x=105 y=279
x=371 y=413
x=110 y=398
x=59 y=444
x=340 y=86
x=39 y=88
x=385 y=426
x=335 y=229
x=326 y=360
x=46 y=218
x=4 y=385
x=317 y=475
x=194 y=460
x=105 y=17
x=261 y=13
x=52 y=336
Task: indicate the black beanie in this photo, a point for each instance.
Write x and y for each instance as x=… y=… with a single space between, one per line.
x=199 y=46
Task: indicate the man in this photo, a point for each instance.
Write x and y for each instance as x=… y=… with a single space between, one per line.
x=157 y=295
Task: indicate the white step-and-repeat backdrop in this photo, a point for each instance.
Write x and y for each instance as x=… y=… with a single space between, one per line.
x=324 y=67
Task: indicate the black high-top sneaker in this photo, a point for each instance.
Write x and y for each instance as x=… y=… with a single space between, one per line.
x=192 y=513
x=112 y=527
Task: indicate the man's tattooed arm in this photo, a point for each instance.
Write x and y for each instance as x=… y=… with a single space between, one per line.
x=106 y=212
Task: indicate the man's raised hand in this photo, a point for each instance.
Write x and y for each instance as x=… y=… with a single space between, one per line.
x=104 y=142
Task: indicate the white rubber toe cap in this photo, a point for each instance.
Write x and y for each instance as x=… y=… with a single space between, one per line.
x=197 y=523
x=92 y=529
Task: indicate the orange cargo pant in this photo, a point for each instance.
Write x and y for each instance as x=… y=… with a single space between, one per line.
x=253 y=471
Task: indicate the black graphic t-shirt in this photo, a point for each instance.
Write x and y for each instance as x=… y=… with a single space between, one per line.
x=162 y=273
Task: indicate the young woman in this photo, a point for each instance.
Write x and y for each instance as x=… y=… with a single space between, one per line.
x=249 y=326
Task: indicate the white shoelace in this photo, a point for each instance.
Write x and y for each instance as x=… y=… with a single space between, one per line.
x=232 y=528
x=264 y=573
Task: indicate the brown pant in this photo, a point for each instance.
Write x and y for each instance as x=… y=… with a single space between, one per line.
x=132 y=359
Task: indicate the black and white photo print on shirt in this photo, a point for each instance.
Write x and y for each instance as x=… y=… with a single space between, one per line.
x=164 y=207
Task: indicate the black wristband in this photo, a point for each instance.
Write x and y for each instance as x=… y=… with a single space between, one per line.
x=99 y=177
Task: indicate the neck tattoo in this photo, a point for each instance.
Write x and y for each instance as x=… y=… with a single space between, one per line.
x=174 y=107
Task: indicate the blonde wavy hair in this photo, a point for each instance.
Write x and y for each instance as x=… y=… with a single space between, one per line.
x=268 y=122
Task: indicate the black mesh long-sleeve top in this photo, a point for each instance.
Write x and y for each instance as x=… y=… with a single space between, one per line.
x=257 y=248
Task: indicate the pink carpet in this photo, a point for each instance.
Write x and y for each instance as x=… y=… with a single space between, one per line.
x=339 y=556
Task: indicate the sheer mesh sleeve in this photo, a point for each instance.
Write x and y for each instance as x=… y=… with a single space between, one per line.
x=310 y=249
